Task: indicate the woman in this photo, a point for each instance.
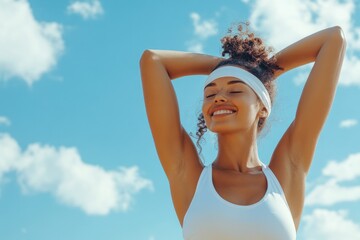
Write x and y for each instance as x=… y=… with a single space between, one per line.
x=237 y=196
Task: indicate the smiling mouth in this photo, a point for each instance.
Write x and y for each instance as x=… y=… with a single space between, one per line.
x=222 y=114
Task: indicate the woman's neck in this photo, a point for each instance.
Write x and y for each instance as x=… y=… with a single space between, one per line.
x=237 y=152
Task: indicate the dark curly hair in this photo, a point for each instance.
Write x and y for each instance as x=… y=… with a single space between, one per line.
x=248 y=51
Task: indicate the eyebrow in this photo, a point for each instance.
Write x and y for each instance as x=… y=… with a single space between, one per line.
x=212 y=84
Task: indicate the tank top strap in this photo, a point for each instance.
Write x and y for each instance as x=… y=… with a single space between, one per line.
x=204 y=180
x=273 y=182
x=207 y=178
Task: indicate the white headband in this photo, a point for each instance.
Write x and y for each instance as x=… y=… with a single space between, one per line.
x=245 y=76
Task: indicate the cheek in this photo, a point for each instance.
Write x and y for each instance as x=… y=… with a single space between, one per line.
x=205 y=108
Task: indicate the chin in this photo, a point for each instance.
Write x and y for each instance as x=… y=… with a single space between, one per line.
x=222 y=128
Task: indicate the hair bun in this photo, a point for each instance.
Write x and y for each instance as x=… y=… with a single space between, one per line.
x=242 y=47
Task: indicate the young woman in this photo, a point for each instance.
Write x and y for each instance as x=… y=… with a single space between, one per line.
x=237 y=196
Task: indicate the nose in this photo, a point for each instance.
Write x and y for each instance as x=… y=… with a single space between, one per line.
x=219 y=98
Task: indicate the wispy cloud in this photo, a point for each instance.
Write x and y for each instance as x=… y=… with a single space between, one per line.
x=337 y=173
x=203 y=29
x=282 y=24
x=4 y=121
x=348 y=123
x=61 y=172
x=346 y=170
x=9 y=153
x=86 y=9
x=331 y=192
x=23 y=39
x=330 y=225
x=195 y=46
x=339 y=187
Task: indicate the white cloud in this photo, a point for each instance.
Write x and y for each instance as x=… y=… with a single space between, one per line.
x=4 y=121
x=61 y=172
x=332 y=192
x=9 y=154
x=196 y=47
x=330 y=225
x=346 y=170
x=28 y=48
x=349 y=73
x=203 y=29
x=283 y=24
x=302 y=74
x=347 y=123
x=86 y=9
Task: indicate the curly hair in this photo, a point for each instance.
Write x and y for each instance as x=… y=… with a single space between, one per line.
x=248 y=51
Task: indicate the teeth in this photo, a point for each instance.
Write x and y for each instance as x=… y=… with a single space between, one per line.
x=222 y=112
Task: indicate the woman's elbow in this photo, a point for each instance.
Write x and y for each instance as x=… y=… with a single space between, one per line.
x=147 y=56
x=339 y=35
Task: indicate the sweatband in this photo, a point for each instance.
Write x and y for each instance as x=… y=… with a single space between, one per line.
x=246 y=77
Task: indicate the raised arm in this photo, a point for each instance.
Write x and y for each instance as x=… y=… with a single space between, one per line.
x=158 y=68
x=293 y=155
x=327 y=49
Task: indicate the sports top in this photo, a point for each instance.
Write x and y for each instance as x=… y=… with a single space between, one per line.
x=211 y=217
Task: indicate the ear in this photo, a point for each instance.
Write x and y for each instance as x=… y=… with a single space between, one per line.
x=263 y=113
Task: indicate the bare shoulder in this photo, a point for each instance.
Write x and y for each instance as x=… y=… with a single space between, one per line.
x=183 y=185
x=290 y=177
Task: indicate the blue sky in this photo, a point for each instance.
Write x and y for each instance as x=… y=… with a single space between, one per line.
x=77 y=159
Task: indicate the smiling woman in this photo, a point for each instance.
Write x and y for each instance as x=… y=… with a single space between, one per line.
x=238 y=196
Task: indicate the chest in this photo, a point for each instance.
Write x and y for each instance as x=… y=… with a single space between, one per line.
x=212 y=218
x=239 y=189
x=243 y=207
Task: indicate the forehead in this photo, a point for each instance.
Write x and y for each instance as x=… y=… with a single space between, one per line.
x=224 y=81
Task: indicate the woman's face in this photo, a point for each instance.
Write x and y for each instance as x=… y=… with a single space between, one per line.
x=236 y=95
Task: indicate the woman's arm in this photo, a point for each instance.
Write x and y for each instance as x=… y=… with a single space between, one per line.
x=158 y=67
x=178 y=64
x=327 y=49
x=297 y=146
x=307 y=49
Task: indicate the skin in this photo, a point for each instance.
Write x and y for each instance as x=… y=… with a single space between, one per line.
x=237 y=174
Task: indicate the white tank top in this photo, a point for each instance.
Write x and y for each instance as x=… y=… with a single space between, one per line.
x=210 y=217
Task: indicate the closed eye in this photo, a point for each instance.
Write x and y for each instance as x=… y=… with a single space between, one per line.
x=214 y=94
